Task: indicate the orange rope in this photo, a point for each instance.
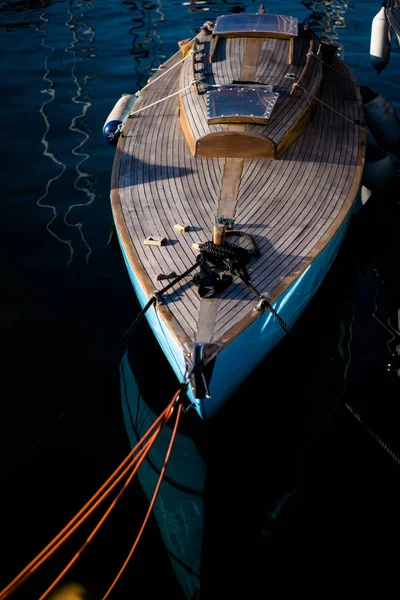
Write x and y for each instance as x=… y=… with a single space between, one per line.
x=43 y=556
x=146 y=442
x=100 y=523
x=171 y=443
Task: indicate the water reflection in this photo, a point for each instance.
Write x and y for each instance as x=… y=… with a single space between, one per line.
x=327 y=18
x=83 y=42
x=61 y=225
x=49 y=91
x=147 y=41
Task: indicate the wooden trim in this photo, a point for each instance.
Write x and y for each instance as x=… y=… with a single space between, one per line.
x=290 y=51
x=230 y=187
x=213 y=48
x=250 y=59
x=187 y=131
x=259 y=34
x=232 y=144
x=233 y=119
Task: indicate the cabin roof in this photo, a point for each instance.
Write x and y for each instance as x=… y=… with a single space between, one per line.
x=236 y=127
x=261 y=25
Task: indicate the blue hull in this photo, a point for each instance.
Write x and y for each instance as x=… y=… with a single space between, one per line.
x=235 y=362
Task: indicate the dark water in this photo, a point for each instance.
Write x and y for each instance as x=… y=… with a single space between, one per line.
x=66 y=300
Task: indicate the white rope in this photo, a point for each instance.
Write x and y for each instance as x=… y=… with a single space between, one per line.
x=122 y=125
x=135 y=112
x=333 y=68
x=164 y=72
x=330 y=108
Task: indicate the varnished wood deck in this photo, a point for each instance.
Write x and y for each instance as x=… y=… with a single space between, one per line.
x=292 y=206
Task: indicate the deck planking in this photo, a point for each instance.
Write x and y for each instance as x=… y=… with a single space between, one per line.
x=288 y=205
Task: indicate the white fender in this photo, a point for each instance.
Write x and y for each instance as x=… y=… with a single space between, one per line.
x=382 y=120
x=380 y=41
x=121 y=110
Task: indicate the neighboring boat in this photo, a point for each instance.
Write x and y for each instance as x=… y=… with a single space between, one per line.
x=385 y=27
x=253 y=134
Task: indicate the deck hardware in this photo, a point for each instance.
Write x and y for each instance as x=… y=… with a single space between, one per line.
x=226 y=221
x=172 y=275
x=261 y=305
x=181 y=227
x=197 y=356
x=264 y=304
x=155 y=241
x=158 y=298
x=219 y=232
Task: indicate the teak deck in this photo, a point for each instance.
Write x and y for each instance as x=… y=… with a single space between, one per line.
x=292 y=206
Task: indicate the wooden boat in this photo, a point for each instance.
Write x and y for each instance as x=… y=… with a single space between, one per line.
x=254 y=124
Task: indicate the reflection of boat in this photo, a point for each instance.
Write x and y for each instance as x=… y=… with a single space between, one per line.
x=179 y=510
x=259 y=138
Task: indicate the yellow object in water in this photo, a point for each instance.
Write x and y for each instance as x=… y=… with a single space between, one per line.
x=71 y=591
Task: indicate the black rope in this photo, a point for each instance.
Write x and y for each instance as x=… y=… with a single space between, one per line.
x=269 y=306
x=212 y=251
x=156 y=297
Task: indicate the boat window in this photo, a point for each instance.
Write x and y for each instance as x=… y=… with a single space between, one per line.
x=260 y=24
x=246 y=104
